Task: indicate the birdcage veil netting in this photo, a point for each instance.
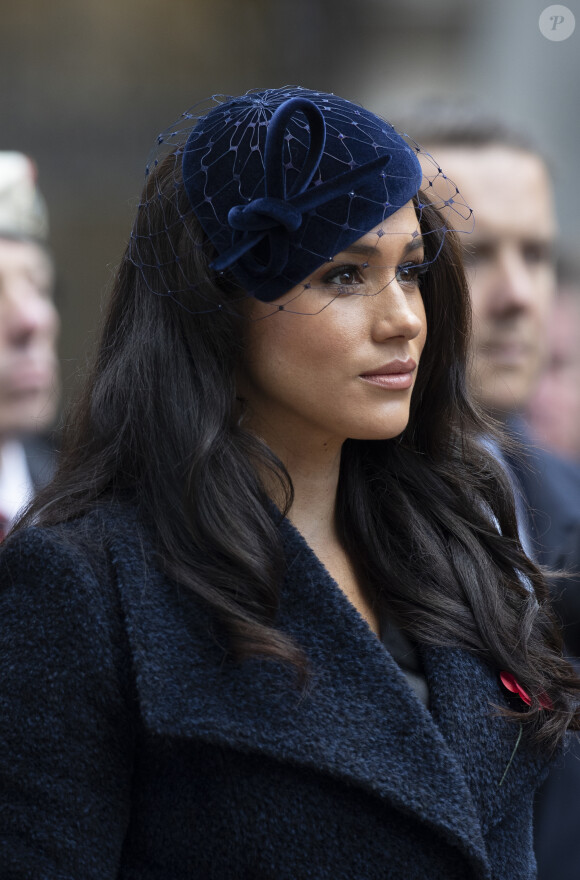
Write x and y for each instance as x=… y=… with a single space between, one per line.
x=274 y=185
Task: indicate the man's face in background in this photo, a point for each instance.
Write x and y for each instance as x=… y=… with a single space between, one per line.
x=28 y=331
x=554 y=410
x=509 y=265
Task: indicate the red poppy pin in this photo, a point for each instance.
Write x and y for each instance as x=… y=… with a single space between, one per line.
x=510 y=682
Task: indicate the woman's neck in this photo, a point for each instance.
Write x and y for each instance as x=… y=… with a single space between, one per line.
x=314 y=471
x=315 y=481
x=315 y=487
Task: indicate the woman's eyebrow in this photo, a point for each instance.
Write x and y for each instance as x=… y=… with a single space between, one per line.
x=369 y=250
x=363 y=250
x=415 y=244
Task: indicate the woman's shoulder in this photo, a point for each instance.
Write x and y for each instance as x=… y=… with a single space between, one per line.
x=86 y=535
x=60 y=608
x=72 y=557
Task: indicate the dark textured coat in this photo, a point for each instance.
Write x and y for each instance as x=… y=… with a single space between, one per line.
x=130 y=748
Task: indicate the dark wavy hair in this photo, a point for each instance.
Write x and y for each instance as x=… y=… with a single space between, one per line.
x=427 y=518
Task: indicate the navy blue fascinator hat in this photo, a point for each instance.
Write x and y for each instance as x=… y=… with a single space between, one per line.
x=280 y=181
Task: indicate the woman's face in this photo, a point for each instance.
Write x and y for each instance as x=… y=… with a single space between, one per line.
x=337 y=356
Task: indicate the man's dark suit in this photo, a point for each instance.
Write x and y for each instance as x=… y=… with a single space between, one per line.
x=551 y=490
x=41 y=460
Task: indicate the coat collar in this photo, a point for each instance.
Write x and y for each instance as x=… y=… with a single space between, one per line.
x=359 y=721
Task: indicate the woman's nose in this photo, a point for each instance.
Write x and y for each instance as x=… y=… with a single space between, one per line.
x=398 y=312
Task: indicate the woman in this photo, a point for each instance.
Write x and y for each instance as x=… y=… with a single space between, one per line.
x=272 y=618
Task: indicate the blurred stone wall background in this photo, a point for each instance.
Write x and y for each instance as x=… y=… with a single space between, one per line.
x=86 y=85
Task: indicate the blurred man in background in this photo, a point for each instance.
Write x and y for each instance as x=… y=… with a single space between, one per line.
x=553 y=412
x=28 y=331
x=511 y=273
x=510 y=269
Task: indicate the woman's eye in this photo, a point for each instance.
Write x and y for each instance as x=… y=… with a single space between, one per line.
x=343 y=276
x=411 y=273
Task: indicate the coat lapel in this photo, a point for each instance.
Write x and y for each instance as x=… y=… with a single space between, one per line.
x=482 y=741
x=359 y=720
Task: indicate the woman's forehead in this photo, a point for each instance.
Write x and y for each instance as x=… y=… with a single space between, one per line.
x=399 y=230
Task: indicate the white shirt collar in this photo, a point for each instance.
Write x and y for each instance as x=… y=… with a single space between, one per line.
x=16 y=487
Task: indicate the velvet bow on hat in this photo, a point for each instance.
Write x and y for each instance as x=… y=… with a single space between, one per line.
x=282 y=180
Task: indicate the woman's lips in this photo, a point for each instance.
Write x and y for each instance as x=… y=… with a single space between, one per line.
x=395 y=375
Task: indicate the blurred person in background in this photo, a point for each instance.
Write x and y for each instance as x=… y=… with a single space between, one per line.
x=553 y=412
x=28 y=331
x=510 y=266
x=511 y=273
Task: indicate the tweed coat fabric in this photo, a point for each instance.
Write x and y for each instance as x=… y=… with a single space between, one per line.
x=131 y=748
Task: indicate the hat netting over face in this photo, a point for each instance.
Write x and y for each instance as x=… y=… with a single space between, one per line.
x=280 y=181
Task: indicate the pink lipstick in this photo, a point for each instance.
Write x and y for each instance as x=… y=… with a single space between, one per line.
x=393 y=376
